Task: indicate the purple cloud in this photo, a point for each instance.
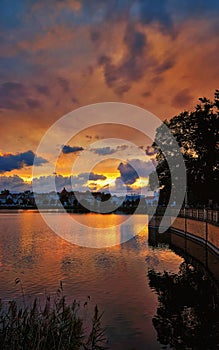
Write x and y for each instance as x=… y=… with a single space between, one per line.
x=108 y=150
x=95 y=177
x=92 y=176
x=9 y=162
x=128 y=174
x=66 y=149
x=13 y=184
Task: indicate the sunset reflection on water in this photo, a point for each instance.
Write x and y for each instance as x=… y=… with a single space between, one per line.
x=114 y=277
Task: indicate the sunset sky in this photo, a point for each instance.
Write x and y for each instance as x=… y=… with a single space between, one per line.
x=56 y=56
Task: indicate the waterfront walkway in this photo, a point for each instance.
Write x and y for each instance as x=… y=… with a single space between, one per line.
x=201 y=225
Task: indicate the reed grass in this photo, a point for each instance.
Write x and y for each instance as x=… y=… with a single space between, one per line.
x=55 y=326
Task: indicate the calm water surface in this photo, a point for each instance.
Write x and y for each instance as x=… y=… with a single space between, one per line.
x=116 y=278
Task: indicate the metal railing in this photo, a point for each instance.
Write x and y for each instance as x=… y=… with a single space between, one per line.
x=208 y=215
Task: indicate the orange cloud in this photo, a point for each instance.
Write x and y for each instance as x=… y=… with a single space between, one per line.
x=62 y=66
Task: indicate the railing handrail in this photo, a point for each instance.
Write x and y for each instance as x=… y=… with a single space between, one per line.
x=209 y=215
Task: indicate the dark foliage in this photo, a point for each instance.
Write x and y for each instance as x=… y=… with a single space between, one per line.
x=197 y=134
x=188 y=311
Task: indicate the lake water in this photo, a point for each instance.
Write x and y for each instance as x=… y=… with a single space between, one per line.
x=124 y=280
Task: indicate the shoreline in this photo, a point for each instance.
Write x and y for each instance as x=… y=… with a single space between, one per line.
x=68 y=210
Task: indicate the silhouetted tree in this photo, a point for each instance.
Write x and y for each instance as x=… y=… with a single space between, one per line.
x=197 y=134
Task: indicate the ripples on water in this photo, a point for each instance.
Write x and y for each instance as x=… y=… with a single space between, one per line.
x=126 y=280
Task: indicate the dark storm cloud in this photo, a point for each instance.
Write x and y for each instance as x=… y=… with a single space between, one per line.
x=95 y=177
x=128 y=175
x=66 y=149
x=91 y=176
x=135 y=168
x=9 y=162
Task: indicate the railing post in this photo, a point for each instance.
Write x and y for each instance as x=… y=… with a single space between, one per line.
x=206 y=226
x=216 y=216
x=184 y=214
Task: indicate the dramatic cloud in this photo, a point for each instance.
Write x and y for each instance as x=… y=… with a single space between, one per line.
x=44 y=183
x=132 y=170
x=108 y=150
x=13 y=184
x=71 y=149
x=135 y=41
x=76 y=183
x=11 y=95
x=14 y=95
x=95 y=177
x=143 y=168
x=91 y=176
x=9 y=162
x=104 y=151
x=59 y=55
x=120 y=76
x=128 y=174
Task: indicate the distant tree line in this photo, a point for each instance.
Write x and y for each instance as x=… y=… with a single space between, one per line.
x=197 y=133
